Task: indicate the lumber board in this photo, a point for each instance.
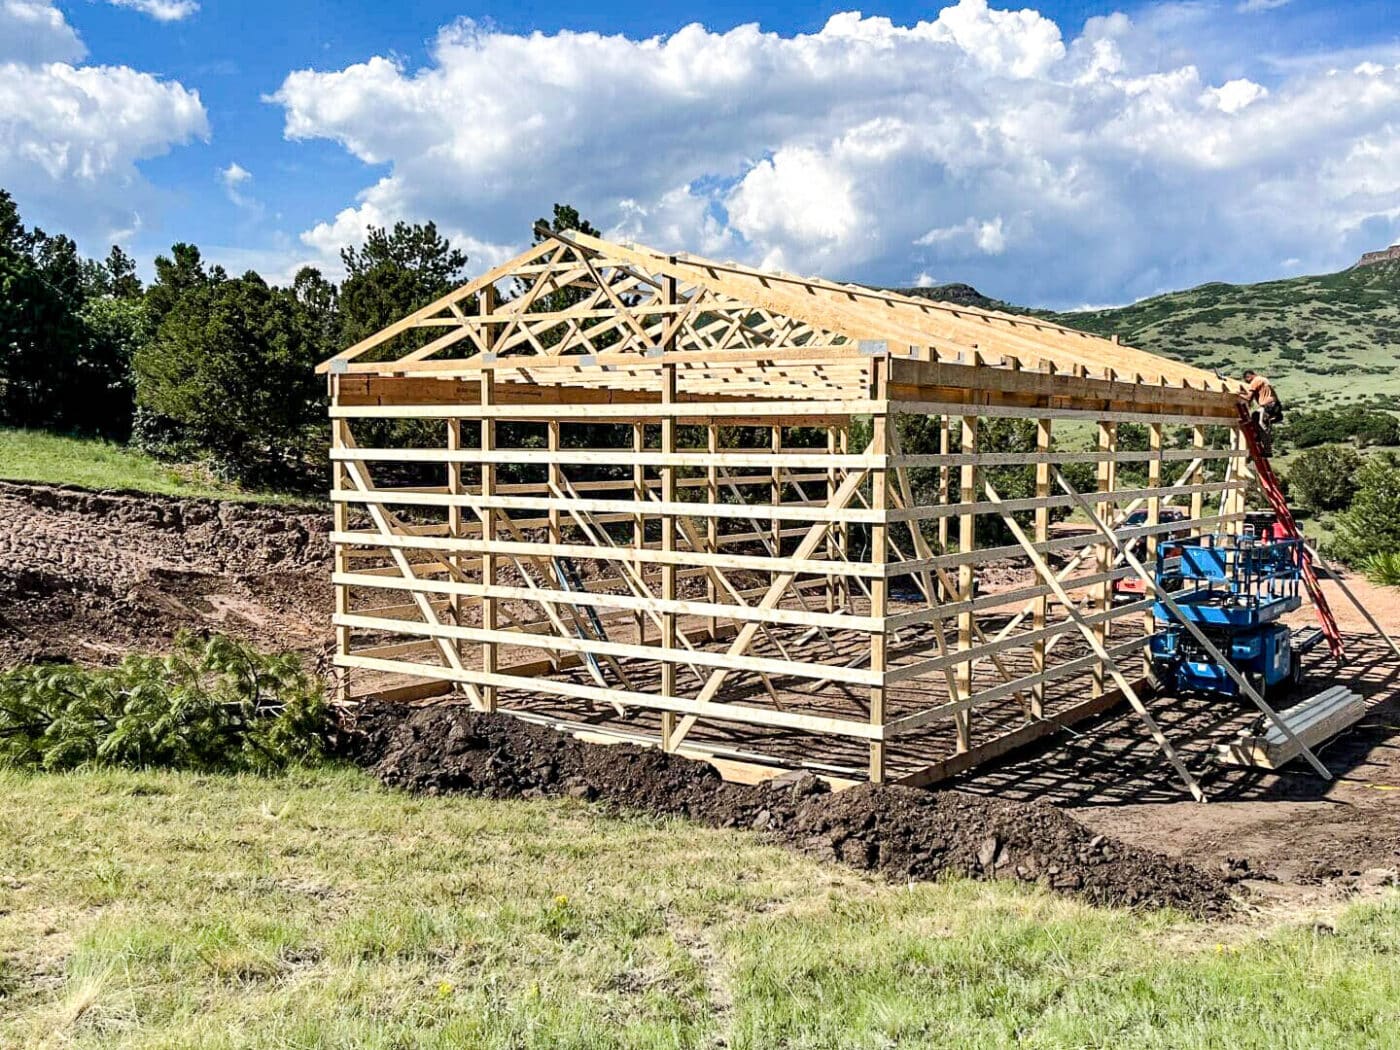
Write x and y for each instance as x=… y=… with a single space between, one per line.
x=727 y=712
x=692 y=657
x=1313 y=721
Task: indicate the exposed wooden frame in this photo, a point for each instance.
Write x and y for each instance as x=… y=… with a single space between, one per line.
x=775 y=595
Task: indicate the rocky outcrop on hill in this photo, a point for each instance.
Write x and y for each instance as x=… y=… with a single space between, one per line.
x=1391 y=254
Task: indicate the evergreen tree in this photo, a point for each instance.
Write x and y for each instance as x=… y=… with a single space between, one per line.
x=115 y=276
x=177 y=274
x=392 y=274
x=320 y=299
x=55 y=370
x=39 y=331
x=1371 y=525
x=231 y=370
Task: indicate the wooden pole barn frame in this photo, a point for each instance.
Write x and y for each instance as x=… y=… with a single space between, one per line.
x=663 y=499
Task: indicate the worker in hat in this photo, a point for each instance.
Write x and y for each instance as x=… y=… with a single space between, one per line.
x=1264 y=406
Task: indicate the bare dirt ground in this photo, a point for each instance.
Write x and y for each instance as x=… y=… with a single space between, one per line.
x=89 y=577
x=1291 y=835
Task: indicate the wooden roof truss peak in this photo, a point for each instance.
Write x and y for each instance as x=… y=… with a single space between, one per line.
x=576 y=310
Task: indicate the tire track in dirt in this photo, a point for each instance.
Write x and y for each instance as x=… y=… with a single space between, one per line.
x=91 y=576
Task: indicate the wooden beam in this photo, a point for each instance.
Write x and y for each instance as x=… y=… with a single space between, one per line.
x=489 y=619
x=340 y=515
x=1043 y=441
x=967 y=540
x=1103 y=553
x=880 y=446
x=1098 y=649
x=1154 y=519
x=668 y=545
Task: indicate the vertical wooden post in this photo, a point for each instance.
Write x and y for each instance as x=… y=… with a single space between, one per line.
x=776 y=496
x=455 y=528
x=843 y=531
x=556 y=481
x=712 y=522
x=881 y=425
x=341 y=516
x=1043 y=441
x=488 y=534
x=556 y=485
x=945 y=478
x=1103 y=552
x=668 y=529
x=1198 y=442
x=1154 y=518
x=1237 y=498
x=967 y=575
x=639 y=520
x=668 y=546
x=831 y=445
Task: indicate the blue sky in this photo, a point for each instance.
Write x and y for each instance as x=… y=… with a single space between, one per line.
x=1068 y=154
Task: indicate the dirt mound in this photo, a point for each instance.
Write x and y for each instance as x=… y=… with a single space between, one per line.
x=897 y=831
x=89 y=576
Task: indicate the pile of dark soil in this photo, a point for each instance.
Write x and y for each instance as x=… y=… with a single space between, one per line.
x=897 y=831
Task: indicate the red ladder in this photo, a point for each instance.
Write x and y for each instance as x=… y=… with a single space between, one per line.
x=1273 y=492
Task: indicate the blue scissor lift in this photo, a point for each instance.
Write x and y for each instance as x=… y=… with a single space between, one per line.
x=1235 y=589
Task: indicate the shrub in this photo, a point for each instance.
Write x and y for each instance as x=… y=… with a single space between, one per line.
x=1365 y=426
x=211 y=705
x=1371 y=525
x=1383 y=569
x=1324 y=478
x=230 y=372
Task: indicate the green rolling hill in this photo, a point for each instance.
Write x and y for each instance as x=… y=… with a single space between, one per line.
x=1327 y=340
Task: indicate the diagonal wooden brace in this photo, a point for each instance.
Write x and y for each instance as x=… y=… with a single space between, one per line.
x=1097 y=647
x=1166 y=599
x=815 y=537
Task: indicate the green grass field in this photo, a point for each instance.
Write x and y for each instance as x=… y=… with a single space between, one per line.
x=320 y=910
x=35 y=455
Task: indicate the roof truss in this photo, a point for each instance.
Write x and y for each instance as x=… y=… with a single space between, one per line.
x=576 y=310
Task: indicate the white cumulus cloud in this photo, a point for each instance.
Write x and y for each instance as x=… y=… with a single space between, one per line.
x=71 y=136
x=983 y=145
x=36 y=31
x=161 y=10
x=1234 y=95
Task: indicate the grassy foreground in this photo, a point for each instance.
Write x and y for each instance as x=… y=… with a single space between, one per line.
x=53 y=459
x=319 y=910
